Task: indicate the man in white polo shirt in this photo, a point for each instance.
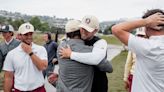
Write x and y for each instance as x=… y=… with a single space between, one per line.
x=149 y=69
x=25 y=63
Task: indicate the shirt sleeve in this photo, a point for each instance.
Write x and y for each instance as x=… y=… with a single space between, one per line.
x=8 y=63
x=138 y=45
x=43 y=54
x=92 y=58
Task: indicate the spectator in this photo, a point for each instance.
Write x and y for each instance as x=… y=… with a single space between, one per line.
x=51 y=48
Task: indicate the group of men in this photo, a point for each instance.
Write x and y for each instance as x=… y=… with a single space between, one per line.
x=82 y=57
x=24 y=63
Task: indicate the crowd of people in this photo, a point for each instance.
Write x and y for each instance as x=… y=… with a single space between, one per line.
x=82 y=56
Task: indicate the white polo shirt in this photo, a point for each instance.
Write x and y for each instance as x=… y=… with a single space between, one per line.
x=149 y=69
x=92 y=58
x=27 y=76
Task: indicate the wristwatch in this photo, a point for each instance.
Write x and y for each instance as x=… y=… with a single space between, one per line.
x=31 y=53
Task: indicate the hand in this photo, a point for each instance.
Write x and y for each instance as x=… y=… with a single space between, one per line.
x=26 y=48
x=155 y=20
x=54 y=60
x=126 y=85
x=53 y=78
x=65 y=52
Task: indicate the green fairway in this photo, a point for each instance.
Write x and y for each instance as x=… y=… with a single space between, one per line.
x=115 y=79
x=111 y=39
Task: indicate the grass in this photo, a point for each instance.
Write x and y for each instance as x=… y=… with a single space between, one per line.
x=115 y=79
x=1 y=79
x=111 y=39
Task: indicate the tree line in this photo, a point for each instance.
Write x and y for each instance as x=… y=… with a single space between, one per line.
x=35 y=21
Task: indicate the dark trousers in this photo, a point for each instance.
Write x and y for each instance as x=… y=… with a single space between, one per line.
x=40 y=89
x=100 y=81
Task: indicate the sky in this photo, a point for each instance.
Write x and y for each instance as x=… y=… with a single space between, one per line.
x=104 y=10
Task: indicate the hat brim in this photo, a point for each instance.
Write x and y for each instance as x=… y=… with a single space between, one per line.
x=25 y=32
x=5 y=31
x=87 y=28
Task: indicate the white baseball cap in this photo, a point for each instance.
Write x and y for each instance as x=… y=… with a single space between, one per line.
x=140 y=31
x=72 y=25
x=89 y=23
x=26 y=28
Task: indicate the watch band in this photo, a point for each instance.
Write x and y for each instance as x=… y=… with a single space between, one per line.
x=31 y=53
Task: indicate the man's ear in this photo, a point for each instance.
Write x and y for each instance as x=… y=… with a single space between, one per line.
x=95 y=31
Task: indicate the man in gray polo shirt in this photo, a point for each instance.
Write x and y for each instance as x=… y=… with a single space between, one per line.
x=8 y=44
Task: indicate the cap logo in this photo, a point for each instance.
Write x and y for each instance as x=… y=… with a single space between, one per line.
x=87 y=20
x=27 y=27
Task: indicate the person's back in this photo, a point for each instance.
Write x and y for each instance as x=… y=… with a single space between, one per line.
x=130 y=62
x=149 y=67
x=75 y=76
x=149 y=72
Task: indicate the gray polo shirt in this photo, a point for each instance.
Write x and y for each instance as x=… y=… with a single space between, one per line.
x=5 y=48
x=74 y=76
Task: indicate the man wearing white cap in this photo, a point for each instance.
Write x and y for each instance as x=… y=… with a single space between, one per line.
x=25 y=63
x=88 y=28
x=8 y=44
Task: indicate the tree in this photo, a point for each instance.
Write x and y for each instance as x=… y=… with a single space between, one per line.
x=9 y=21
x=44 y=27
x=2 y=20
x=53 y=29
x=35 y=21
x=108 y=30
x=17 y=23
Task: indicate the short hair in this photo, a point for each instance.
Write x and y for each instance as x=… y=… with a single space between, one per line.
x=49 y=35
x=151 y=12
x=73 y=34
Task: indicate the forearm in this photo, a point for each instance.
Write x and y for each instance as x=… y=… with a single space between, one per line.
x=98 y=53
x=130 y=25
x=8 y=82
x=105 y=66
x=40 y=64
x=87 y=58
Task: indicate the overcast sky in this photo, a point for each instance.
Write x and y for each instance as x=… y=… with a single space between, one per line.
x=104 y=10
